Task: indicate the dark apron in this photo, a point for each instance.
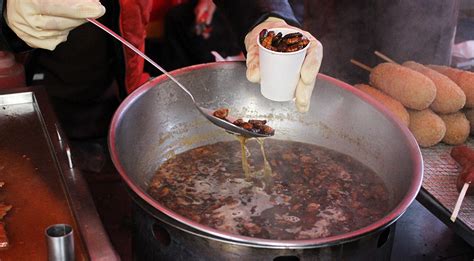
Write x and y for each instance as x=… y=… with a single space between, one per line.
x=79 y=79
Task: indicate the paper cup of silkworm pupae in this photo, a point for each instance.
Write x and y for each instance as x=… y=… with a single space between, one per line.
x=282 y=52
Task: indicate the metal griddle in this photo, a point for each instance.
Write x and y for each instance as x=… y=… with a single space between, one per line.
x=439 y=193
x=29 y=129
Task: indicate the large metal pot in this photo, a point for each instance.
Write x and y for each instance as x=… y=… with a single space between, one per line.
x=158 y=120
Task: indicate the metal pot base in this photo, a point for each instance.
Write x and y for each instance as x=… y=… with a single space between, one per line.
x=155 y=240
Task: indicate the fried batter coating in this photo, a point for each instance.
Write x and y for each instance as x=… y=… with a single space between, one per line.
x=449 y=98
x=427 y=127
x=457 y=128
x=390 y=103
x=411 y=88
x=470 y=117
x=4 y=208
x=464 y=79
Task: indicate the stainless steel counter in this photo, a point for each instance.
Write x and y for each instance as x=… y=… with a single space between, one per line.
x=29 y=128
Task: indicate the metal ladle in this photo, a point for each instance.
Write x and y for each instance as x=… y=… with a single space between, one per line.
x=228 y=126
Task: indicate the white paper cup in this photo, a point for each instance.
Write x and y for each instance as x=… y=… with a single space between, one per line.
x=280 y=72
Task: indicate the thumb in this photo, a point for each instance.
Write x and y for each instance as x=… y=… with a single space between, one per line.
x=312 y=61
x=309 y=71
x=303 y=95
x=82 y=10
x=253 y=64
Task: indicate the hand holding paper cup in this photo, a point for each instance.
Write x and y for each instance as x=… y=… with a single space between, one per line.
x=282 y=52
x=312 y=61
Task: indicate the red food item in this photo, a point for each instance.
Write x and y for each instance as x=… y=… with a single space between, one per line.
x=221 y=113
x=257 y=126
x=4 y=244
x=291 y=42
x=465 y=157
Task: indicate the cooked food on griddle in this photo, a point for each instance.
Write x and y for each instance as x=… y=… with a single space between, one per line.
x=4 y=208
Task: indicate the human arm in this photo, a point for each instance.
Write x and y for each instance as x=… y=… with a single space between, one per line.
x=46 y=23
x=249 y=17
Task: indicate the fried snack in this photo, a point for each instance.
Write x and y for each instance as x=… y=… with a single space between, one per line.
x=464 y=79
x=427 y=127
x=4 y=244
x=390 y=103
x=257 y=126
x=221 y=113
x=4 y=208
x=457 y=128
x=411 y=88
x=449 y=98
x=291 y=42
x=465 y=157
x=470 y=117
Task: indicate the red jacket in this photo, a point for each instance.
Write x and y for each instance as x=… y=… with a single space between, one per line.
x=70 y=62
x=134 y=16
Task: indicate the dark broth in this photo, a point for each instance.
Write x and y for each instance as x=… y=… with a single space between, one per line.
x=312 y=192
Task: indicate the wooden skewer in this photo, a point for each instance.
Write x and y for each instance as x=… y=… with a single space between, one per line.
x=384 y=57
x=457 y=207
x=361 y=65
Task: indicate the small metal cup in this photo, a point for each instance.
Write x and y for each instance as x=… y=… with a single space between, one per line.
x=60 y=240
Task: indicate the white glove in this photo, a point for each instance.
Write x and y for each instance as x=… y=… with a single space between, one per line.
x=309 y=69
x=46 y=23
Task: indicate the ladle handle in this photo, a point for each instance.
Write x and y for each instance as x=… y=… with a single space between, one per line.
x=129 y=45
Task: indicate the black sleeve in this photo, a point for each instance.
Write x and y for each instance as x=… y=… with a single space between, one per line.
x=8 y=39
x=244 y=15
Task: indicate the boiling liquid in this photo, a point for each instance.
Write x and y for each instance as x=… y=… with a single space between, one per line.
x=267 y=169
x=314 y=192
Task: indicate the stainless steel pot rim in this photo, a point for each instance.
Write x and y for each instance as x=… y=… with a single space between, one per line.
x=393 y=215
